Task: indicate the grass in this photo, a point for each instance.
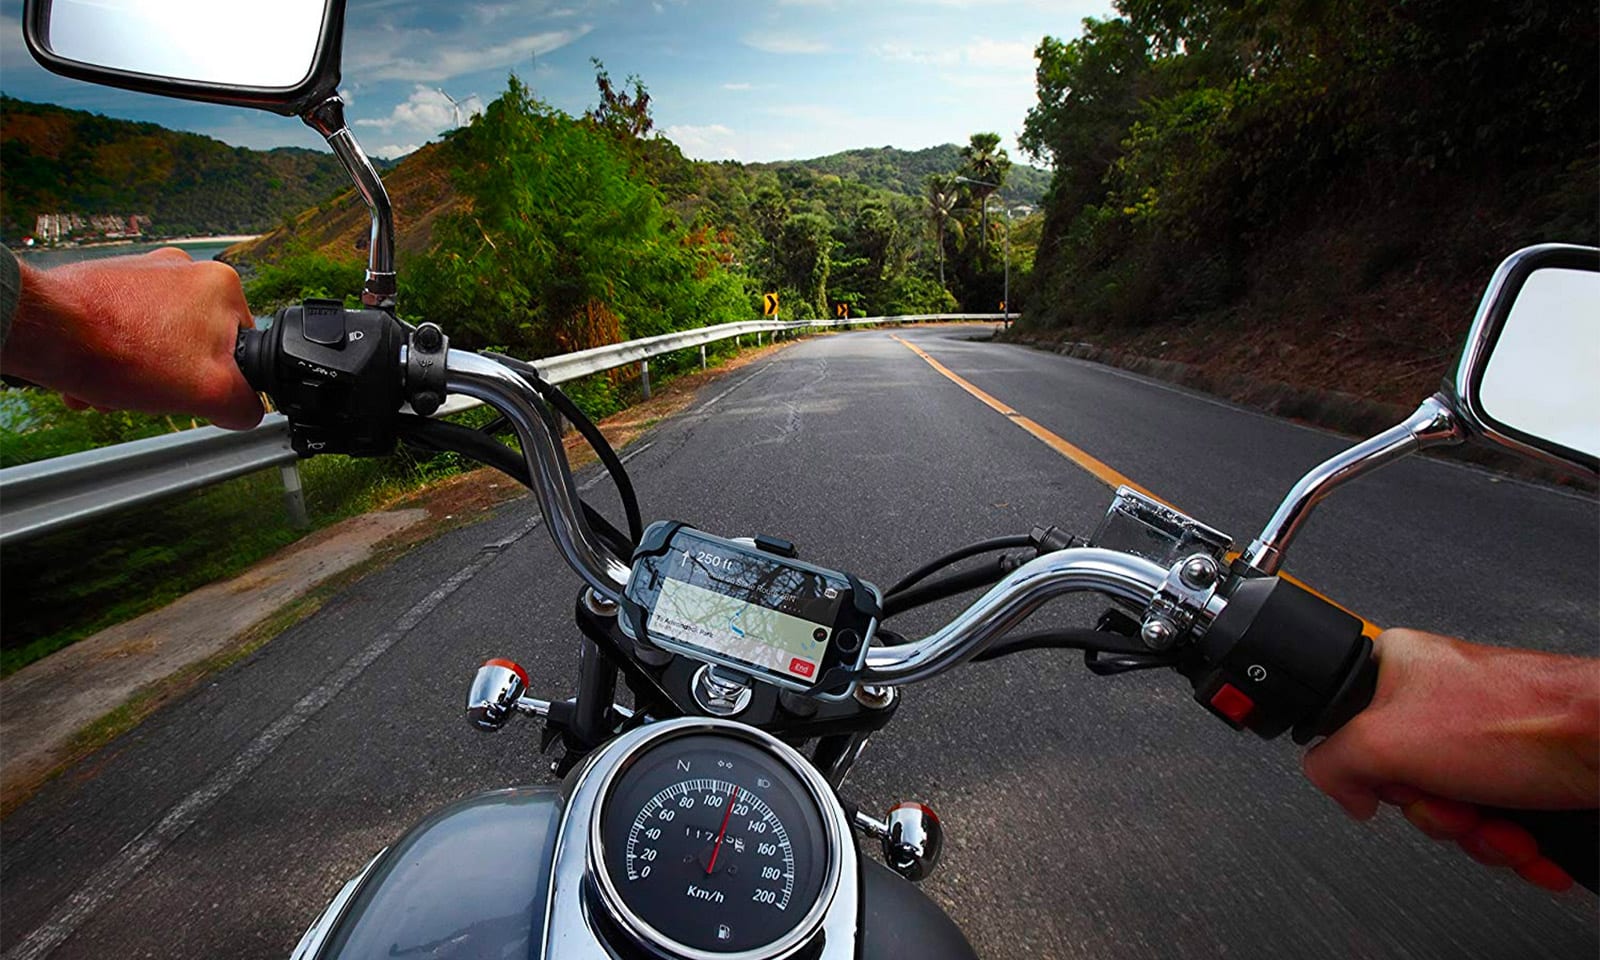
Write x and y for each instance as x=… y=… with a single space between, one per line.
x=65 y=586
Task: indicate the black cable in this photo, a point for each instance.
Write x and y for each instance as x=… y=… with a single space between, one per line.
x=945 y=587
x=453 y=437
x=956 y=556
x=590 y=433
x=1096 y=640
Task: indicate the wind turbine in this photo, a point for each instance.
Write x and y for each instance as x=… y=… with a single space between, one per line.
x=455 y=105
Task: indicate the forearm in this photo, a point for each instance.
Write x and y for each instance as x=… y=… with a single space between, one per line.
x=45 y=321
x=152 y=332
x=1565 y=725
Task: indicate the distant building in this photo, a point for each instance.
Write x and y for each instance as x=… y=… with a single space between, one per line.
x=51 y=228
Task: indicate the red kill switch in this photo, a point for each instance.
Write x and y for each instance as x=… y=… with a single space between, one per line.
x=1232 y=703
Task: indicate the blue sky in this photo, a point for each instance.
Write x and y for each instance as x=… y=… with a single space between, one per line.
x=759 y=80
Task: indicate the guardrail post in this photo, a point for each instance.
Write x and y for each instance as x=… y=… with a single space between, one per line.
x=702 y=357
x=644 y=377
x=294 y=495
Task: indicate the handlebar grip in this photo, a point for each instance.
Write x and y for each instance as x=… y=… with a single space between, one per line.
x=1568 y=838
x=250 y=353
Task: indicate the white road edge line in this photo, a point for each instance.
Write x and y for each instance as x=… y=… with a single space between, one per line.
x=712 y=402
x=603 y=475
x=131 y=860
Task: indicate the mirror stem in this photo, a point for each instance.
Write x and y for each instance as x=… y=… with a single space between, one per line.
x=327 y=118
x=1432 y=425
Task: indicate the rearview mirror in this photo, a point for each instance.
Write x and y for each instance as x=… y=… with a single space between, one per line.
x=281 y=56
x=1529 y=377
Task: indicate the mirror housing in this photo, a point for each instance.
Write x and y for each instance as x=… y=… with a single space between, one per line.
x=320 y=81
x=1529 y=376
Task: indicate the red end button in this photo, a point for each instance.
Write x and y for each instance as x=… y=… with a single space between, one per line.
x=1232 y=703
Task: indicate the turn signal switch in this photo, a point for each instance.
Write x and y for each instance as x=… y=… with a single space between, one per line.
x=497 y=694
x=911 y=835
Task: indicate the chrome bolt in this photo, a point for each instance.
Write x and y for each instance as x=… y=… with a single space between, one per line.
x=598 y=605
x=1198 y=572
x=1158 y=633
x=875 y=697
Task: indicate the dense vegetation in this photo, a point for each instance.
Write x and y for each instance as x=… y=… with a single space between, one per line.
x=1352 y=161
x=537 y=231
x=67 y=161
x=905 y=171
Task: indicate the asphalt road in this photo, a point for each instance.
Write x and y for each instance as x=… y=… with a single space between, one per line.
x=1085 y=816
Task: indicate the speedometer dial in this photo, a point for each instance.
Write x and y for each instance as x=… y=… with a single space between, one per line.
x=712 y=844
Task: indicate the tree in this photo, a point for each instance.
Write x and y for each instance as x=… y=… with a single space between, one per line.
x=983 y=159
x=944 y=195
x=618 y=110
x=807 y=257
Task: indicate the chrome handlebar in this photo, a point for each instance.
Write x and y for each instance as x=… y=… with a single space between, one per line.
x=502 y=388
x=1119 y=575
x=1009 y=602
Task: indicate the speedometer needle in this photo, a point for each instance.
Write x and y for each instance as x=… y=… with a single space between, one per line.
x=723 y=832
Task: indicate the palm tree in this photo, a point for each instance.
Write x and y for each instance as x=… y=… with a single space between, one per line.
x=984 y=159
x=944 y=195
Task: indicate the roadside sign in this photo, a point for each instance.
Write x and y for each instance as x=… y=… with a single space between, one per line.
x=770 y=305
x=842 y=310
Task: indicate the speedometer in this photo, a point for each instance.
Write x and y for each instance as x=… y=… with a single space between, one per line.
x=714 y=845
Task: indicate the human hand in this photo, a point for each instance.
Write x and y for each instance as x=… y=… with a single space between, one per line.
x=1453 y=725
x=153 y=333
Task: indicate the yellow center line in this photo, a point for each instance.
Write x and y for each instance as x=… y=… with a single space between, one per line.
x=1101 y=470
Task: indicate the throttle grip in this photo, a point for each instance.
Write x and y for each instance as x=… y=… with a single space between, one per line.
x=1568 y=838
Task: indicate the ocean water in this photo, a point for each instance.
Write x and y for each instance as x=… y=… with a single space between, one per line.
x=45 y=259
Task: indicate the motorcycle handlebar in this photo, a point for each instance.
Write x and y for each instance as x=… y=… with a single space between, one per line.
x=499 y=386
x=1567 y=837
x=1009 y=602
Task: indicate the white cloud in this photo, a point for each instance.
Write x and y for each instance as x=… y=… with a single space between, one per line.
x=393 y=152
x=709 y=142
x=999 y=54
x=428 y=110
x=778 y=43
x=424 y=56
x=905 y=53
x=736 y=86
x=983 y=53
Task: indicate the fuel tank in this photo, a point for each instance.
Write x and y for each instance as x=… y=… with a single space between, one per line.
x=471 y=881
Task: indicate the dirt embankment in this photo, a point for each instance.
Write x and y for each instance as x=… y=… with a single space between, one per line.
x=1353 y=315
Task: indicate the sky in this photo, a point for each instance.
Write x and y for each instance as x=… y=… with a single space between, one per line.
x=752 y=81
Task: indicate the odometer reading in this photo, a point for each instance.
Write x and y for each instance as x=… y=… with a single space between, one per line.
x=714 y=844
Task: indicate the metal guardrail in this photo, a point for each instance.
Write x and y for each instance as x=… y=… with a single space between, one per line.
x=48 y=495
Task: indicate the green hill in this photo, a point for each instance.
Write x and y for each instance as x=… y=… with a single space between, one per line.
x=69 y=161
x=903 y=171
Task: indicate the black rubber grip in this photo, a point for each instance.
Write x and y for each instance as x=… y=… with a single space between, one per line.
x=1568 y=838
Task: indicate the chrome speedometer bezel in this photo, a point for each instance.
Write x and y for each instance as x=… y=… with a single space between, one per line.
x=801 y=934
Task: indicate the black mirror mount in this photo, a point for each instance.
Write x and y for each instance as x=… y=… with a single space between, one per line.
x=327 y=118
x=320 y=80
x=178 y=57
